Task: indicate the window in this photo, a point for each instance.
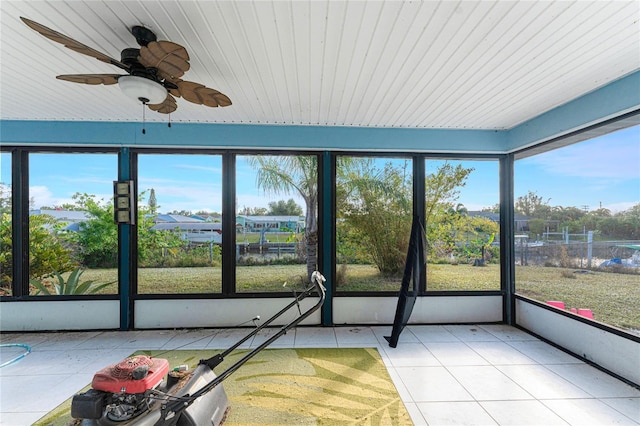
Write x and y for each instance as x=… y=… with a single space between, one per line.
x=6 y=234
x=276 y=222
x=72 y=234
x=577 y=213
x=462 y=224
x=374 y=209
x=179 y=223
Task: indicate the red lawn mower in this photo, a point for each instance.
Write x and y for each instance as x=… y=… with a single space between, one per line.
x=142 y=390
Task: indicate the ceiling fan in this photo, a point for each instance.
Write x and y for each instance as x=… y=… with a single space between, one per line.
x=153 y=71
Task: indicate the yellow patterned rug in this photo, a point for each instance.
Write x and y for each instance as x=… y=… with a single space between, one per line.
x=347 y=386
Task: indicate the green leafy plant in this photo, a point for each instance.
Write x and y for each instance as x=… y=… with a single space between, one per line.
x=376 y=205
x=70 y=286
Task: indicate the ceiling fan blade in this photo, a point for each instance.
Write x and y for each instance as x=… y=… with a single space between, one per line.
x=167 y=107
x=105 y=79
x=201 y=95
x=171 y=59
x=72 y=44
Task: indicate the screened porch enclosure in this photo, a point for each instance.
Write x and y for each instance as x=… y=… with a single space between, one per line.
x=508 y=130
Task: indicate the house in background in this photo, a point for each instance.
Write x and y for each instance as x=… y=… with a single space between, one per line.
x=270 y=223
x=64 y=216
x=195 y=232
x=176 y=218
x=70 y=218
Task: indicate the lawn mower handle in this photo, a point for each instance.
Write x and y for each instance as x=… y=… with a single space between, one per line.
x=171 y=412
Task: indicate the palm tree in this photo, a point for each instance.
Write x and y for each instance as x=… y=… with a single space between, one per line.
x=288 y=174
x=153 y=202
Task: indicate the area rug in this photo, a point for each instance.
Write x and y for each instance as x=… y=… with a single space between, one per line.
x=309 y=386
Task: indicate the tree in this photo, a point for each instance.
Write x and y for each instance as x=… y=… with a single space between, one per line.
x=47 y=253
x=601 y=212
x=532 y=205
x=153 y=202
x=442 y=221
x=492 y=209
x=441 y=189
x=5 y=198
x=284 y=208
x=253 y=211
x=96 y=238
x=181 y=212
x=566 y=214
x=377 y=206
x=629 y=222
x=153 y=243
x=208 y=213
x=461 y=209
x=290 y=174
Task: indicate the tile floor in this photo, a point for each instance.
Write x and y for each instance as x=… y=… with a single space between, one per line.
x=446 y=375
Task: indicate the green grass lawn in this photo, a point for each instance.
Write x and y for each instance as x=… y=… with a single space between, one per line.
x=439 y=277
x=614 y=298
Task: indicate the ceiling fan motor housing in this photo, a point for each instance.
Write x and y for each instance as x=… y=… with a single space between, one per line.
x=129 y=56
x=143 y=35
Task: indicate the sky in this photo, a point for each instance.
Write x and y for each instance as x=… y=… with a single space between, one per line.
x=602 y=172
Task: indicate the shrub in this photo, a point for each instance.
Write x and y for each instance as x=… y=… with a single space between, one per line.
x=46 y=251
x=285 y=259
x=70 y=286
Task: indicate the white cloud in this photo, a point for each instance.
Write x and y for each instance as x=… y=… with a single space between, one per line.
x=176 y=195
x=42 y=196
x=620 y=207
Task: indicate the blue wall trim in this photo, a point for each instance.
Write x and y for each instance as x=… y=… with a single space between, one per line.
x=614 y=99
x=70 y=133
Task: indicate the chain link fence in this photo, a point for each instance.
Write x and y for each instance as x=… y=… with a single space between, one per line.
x=581 y=254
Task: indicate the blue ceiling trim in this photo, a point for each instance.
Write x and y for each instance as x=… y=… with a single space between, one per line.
x=610 y=101
x=73 y=133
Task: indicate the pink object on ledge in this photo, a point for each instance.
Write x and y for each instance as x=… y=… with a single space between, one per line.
x=585 y=313
x=574 y=311
x=556 y=303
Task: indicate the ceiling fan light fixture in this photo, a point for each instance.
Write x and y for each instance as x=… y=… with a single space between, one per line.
x=142 y=89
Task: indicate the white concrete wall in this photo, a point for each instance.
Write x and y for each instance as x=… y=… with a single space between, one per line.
x=217 y=312
x=615 y=353
x=189 y=313
x=60 y=315
x=435 y=309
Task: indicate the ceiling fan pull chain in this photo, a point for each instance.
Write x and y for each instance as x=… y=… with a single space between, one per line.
x=143 y=129
x=169 y=125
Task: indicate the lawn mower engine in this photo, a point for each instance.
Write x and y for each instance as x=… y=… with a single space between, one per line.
x=134 y=392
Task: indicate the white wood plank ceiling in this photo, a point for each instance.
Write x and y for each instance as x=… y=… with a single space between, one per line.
x=432 y=64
